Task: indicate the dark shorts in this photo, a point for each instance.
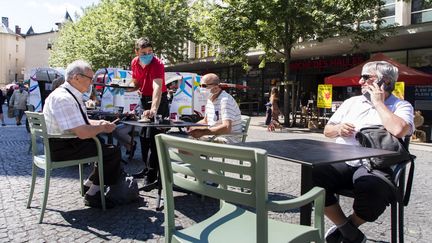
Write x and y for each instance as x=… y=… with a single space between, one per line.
x=75 y=148
x=371 y=194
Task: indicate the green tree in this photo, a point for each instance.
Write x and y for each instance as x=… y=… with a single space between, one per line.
x=105 y=34
x=275 y=26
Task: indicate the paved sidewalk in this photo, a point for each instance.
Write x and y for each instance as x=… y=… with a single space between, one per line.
x=68 y=220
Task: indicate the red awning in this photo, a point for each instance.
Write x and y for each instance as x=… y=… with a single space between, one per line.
x=406 y=74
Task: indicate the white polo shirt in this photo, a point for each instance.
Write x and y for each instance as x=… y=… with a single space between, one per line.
x=360 y=112
x=224 y=108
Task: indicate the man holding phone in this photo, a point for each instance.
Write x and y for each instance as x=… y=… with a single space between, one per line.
x=377 y=106
x=65 y=113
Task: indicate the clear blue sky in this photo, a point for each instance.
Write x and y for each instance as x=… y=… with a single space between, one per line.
x=41 y=14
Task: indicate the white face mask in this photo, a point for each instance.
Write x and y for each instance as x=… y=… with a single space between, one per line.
x=204 y=92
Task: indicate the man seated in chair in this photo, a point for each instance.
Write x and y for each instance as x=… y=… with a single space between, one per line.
x=377 y=106
x=222 y=113
x=65 y=113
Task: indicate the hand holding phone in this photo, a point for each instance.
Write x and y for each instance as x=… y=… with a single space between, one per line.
x=367 y=94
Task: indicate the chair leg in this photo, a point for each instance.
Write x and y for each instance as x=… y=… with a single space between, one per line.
x=401 y=222
x=101 y=185
x=32 y=185
x=81 y=172
x=393 y=219
x=45 y=195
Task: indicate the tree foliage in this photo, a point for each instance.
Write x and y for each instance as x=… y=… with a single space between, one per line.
x=105 y=34
x=275 y=26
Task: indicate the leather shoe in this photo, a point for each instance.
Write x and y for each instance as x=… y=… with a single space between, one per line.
x=95 y=201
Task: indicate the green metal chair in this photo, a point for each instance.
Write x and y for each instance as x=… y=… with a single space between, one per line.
x=201 y=162
x=43 y=161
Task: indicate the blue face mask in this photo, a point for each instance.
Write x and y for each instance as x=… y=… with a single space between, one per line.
x=146 y=59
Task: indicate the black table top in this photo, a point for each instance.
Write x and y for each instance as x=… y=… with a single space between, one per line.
x=164 y=125
x=313 y=152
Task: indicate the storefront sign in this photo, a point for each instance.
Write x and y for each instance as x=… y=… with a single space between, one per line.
x=423 y=92
x=324 y=99
x=342 y=62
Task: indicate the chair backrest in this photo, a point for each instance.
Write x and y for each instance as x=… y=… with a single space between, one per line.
x=245 y=120
x=30 y=107
x=399 y=173
x=193 y=165
x=38 y=129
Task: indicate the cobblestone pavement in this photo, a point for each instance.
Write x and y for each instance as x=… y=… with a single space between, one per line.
x=68 y=220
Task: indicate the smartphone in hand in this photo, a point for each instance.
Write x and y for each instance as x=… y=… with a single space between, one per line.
x=367 y=94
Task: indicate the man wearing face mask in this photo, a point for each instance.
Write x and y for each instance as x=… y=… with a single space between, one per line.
x=222 y=113
x=148 y=75
x=377 y=106
x=65 y=113
x=19 y=103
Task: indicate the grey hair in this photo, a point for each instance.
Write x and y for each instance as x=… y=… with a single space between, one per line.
x=76 y=67
x=383 y=70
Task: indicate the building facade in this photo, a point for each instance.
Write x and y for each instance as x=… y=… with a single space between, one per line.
x=37 y=52
x=12 y=54
x=313 y=61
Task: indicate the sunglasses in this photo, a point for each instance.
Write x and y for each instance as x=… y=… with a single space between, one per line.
x=366 y=76
x=205 y=85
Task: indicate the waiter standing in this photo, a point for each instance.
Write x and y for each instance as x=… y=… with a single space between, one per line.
x=148 y=75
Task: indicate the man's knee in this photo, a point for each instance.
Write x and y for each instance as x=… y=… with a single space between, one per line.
x=371 y=197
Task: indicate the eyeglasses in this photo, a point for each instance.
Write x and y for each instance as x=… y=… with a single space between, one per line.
x=366 y=77
x=206 y=85
x=82 y=74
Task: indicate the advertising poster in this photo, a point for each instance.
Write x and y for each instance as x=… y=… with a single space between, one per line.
x=324 y=99
x=399 y=90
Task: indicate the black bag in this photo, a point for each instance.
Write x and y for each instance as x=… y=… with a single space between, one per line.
x=124 y=191
x=378 y=137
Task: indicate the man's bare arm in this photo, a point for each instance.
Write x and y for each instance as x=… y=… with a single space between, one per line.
x=157 y=95
x=89 y=131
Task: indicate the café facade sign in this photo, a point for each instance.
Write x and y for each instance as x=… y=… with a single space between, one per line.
x=332 y=64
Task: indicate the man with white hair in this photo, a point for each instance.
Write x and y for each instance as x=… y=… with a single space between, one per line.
x=377 y=106
x=65 y=113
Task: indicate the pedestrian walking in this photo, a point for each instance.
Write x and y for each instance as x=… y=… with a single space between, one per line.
x=18 y=102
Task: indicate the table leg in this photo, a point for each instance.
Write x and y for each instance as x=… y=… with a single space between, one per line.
x=132 y=141
x=306 y=185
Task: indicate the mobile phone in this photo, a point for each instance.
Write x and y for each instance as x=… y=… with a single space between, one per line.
x=367 y=94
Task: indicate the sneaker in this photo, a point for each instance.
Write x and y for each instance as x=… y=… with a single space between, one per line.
x=333 y=235
x=95 y=201
x=361 y=238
